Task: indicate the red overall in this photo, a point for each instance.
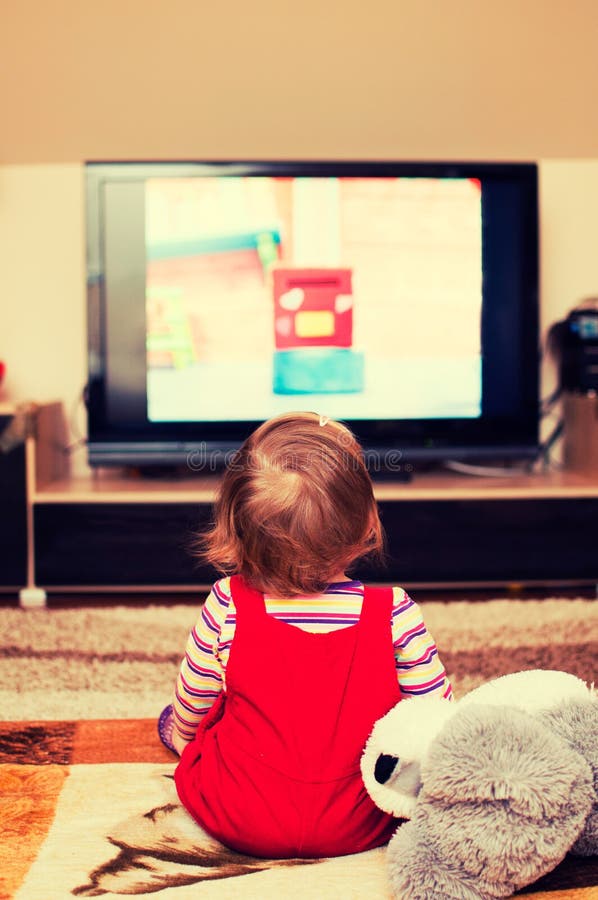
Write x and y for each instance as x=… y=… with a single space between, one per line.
x=274 y=768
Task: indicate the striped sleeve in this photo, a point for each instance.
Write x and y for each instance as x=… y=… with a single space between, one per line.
x=419 y=669
x=200 y=679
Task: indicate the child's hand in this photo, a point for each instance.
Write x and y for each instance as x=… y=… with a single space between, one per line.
x=169 y=736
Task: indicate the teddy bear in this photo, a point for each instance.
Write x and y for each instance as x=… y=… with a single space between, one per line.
x=496 y=788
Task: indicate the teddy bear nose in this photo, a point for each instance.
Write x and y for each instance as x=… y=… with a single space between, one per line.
x=385 y=766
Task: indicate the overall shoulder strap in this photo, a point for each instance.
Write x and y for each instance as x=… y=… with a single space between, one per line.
x=245 y=598
x=377 y=604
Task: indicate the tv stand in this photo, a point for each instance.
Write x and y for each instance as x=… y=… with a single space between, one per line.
x=386 y=476
x=114 y=531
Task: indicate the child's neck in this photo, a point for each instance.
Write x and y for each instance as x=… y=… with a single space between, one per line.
x=340 y=576
x=335 y=579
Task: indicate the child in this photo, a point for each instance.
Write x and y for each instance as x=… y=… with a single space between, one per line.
x=291 y=662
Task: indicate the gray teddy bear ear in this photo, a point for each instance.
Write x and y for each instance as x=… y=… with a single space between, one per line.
x=491 y=754
x=503 y=797
x=576 y=722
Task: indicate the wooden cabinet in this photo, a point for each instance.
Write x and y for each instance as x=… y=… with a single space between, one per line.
x=13 y=504
x=112 y=531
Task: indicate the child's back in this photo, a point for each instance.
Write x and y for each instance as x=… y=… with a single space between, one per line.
x=273 y=708
x=278 y=773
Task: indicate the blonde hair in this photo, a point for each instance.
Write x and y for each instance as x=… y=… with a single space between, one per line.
x=295 y=507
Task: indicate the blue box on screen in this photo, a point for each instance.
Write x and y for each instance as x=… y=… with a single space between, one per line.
x=318 y=370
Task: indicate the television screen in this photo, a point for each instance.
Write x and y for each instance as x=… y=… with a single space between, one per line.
x=337 y=293
x=400 y=298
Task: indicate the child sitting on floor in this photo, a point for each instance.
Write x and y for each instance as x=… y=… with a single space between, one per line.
x=291 y=662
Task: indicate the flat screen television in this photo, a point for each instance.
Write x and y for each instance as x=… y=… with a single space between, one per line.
x=398 y=297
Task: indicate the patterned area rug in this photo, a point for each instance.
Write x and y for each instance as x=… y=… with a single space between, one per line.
x=88 y=809
x=87 y=801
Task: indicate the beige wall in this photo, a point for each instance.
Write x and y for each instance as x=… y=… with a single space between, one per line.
x=42 y=281
x=195 y=79
x=199 y=78
x=568 y=242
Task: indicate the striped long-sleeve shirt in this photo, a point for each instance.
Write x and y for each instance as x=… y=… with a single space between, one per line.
x=202 y=675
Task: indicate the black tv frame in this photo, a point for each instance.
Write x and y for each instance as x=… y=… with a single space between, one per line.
x=130 y=439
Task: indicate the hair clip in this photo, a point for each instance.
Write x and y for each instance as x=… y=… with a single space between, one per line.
x=324 y=420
